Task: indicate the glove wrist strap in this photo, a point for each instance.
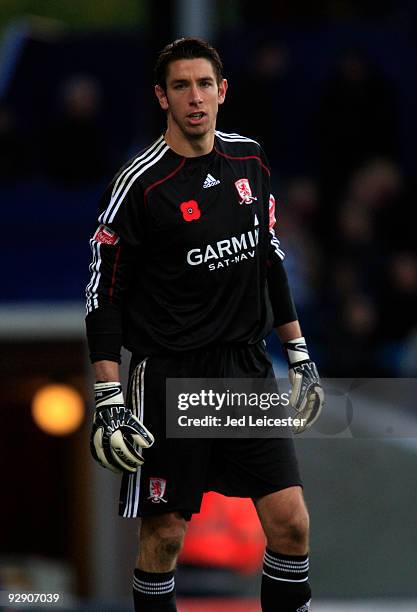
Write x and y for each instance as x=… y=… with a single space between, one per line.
x=108 y=394
x=296 y=351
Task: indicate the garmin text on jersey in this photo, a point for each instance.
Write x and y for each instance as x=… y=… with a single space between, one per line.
x=223 y=253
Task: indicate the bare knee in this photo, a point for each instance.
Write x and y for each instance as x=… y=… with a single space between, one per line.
x=295 y=529
x=160 y=541
x=169 y=546
x=285 y=522
x=289 y=533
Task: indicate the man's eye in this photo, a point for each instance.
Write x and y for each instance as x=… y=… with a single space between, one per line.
x=179 y=86
x=206 y=83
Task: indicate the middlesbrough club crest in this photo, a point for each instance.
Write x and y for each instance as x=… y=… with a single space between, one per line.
x=157 y=488
x=245 y=192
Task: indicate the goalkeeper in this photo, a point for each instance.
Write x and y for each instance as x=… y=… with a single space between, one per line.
x=187 y=274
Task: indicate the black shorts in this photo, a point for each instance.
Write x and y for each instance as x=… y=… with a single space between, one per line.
x=177 y=472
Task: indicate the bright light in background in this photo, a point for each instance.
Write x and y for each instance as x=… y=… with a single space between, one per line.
x=58 y=409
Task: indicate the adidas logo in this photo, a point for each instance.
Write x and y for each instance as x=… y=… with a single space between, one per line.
x=210 y=182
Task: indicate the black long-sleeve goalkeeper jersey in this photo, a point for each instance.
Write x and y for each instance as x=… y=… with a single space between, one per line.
x=185 y=255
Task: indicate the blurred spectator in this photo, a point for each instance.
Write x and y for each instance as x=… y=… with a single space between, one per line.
x=76 y=150
x=259 y=103
x=360 y=229
x=13 y=153
x=295 y=10
x=357 y=244
x=379 y=188
x=296 y=223
x=344 y=281
x=351 y=340
x=356 y=121
x=398 y=296
x=347 y=300
x=377 y=182
x=356 y=289
x=408 y=358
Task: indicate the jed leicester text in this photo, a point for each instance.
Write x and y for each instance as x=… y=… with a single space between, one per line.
x=243 y=421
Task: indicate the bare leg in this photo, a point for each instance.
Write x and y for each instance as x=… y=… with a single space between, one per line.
x=160 y=541
x=285 y=522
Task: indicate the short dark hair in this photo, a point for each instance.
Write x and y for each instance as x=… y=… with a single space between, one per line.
x=186 y=48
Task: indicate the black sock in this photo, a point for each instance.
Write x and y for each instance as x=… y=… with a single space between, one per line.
x=285 y=585
x=154 y=591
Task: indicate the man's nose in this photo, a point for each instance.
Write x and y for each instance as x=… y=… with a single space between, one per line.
x=195 y=95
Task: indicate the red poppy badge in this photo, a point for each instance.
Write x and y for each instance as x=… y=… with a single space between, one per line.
x=190 y=210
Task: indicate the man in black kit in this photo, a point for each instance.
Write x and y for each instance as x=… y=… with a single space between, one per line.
x=187 y=274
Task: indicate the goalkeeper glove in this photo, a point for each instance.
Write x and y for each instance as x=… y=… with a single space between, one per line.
x=117 y=435
x=307 y=396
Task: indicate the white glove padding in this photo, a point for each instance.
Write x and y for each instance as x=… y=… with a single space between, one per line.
x=117 y=435
x=307 y=396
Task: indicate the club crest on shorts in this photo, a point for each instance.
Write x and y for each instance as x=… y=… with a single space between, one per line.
x=245 y=192
x=157 y=488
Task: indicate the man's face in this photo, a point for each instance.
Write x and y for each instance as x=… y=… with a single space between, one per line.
x=192 y=97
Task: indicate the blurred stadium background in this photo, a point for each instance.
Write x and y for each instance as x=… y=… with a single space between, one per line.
x=330 y=88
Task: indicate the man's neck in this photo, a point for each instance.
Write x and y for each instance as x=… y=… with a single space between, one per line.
x=194 y=147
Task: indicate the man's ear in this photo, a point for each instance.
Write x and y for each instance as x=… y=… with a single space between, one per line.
x=222 y=90
x=162 y=97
